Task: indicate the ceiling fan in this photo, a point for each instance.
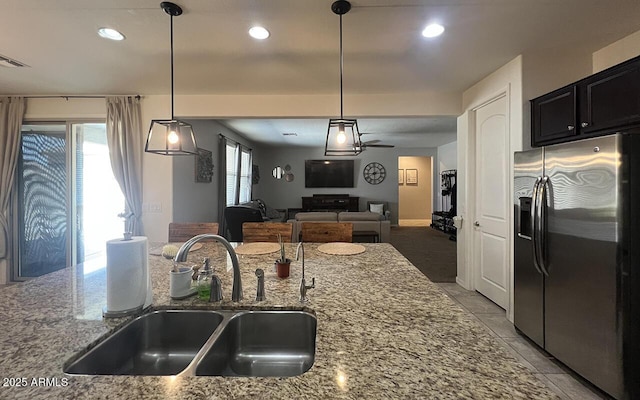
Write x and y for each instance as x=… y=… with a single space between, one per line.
x=373 y=143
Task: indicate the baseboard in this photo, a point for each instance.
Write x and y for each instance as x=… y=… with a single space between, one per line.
x=462 y=283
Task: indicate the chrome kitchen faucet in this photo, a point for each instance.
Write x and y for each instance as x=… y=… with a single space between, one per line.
x=303 y=283
x=236 y=290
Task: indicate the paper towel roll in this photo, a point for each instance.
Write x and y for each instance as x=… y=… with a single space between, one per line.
x=128 y=281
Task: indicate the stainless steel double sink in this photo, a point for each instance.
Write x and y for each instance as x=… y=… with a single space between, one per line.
x=205 y=343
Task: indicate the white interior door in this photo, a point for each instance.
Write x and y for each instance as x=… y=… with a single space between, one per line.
x=491 y=228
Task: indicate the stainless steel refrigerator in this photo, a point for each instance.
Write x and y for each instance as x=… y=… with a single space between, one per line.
x=577 y=252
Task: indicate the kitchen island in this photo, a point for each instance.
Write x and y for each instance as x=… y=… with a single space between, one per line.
x=384 y=331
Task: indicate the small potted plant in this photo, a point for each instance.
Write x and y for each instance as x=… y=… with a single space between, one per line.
x=283 y=263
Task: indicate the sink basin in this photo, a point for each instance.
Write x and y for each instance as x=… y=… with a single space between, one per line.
x=159 y=343
x=263 y=343
x=208 y=343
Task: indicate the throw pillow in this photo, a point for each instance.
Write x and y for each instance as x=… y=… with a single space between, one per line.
x=262 y=207
x=376 y=208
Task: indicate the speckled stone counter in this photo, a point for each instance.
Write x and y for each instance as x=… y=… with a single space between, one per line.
x=384 y=331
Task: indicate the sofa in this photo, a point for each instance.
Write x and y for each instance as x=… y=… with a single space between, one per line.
x=362 y=221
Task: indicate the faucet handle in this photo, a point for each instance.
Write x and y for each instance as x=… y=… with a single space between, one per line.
x=260 y=296
x=304 y=287
x=216 y=289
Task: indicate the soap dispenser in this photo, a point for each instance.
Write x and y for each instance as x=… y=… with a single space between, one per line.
x=204 y=280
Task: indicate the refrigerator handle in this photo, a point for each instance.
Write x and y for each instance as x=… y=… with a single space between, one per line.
x=540 y=233
x=534 y=239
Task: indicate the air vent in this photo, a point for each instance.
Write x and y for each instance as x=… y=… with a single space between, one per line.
x=10 y=62
x=289 y=134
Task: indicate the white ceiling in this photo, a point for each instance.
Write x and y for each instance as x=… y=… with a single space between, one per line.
x=400 y=132
x=383 y=50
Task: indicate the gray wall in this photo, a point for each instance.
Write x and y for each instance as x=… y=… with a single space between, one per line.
x=198 y=202
x=282 y=194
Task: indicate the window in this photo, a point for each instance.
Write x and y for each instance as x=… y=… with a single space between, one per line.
x=245 y=175
x=238 y=173
x=232 y=175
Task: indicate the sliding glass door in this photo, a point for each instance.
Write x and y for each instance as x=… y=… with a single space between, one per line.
x=42 y=200
x=67 y=198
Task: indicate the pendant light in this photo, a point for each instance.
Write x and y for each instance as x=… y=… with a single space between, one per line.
x=171 y=137
x=343 y=138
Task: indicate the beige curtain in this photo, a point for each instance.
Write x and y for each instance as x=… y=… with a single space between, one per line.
x=11 y=113
x=125 y=140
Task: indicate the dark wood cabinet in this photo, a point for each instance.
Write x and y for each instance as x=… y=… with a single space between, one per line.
x=330 y=202
x=610 y=100
x=590 y=107
x=554 y=115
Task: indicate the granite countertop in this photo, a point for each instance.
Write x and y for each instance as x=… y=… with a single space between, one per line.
x=384 y=331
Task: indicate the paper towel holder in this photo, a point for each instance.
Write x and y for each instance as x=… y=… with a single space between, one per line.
x=125 y=303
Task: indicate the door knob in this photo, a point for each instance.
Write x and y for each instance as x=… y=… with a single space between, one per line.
x=476 y=223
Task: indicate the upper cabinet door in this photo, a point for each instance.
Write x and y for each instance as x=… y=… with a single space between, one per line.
x=554 y=116
x=610 y=99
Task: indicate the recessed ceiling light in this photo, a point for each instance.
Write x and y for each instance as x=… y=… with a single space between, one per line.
x=433 y=30
x=258 y=32
x=109 y=33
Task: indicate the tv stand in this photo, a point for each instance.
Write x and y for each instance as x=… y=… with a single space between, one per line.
x=330 y=202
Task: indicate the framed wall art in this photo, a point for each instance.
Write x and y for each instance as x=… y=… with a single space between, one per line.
x=204 y=166
x=400 y=177
x=412 y=177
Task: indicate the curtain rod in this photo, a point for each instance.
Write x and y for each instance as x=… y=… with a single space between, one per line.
x=75 y=97
x=221 y=136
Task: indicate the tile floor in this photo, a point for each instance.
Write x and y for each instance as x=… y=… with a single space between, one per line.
x=556 y=376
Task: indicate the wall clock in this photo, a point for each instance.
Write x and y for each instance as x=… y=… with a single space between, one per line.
x=374 y=173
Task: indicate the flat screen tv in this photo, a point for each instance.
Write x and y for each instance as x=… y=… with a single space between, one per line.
x=328 y=174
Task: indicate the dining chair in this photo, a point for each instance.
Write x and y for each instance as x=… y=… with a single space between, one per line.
x=325 y=232
x=266 y=231
x=183 y=231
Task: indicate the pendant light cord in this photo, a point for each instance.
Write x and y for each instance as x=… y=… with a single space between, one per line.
x=172 y=117
x=341 y=71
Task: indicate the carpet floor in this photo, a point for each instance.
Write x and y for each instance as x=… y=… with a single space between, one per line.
x=428 y=249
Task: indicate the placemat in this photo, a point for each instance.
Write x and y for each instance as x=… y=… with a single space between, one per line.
x=157 y=251
x=341 y=249
x=258 y=248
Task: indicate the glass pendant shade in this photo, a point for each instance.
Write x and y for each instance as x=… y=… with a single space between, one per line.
x=343 y=138
x=171 y=137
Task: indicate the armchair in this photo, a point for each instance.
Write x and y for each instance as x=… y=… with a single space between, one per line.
x=380 y=207
x=234 y=217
